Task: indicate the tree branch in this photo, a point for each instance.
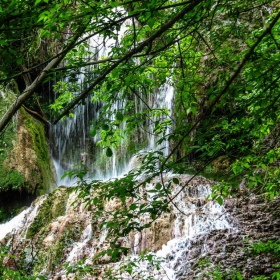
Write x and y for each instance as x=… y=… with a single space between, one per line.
x=138 y=49
x=37 y=82
x=226 y=87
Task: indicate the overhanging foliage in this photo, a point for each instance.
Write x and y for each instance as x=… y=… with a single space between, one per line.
x=222 y=57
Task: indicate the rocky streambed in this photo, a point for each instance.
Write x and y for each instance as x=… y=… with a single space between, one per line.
x=196 y=240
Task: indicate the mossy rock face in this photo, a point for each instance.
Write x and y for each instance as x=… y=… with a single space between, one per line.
x=51 y=253
x=26 y=169
x=30 y=156
x=8 y=178
x=52 y=207
x=54 y=231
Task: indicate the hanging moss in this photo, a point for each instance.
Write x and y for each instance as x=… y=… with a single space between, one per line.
x=11 y=181
x=26 y=169
x=13 y=166
x=6 y=139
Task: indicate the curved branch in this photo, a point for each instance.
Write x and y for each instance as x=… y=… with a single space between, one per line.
x=128 y=55
x=37 y=115
x=38 y=81
x=226 y=87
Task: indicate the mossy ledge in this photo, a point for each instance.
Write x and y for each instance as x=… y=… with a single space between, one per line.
x=53 y=231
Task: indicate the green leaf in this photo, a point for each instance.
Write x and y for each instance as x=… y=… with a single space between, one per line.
x=220 y=200
x=210 y=154
x=93 y=131
x=114 y=4
x=158 y=186
x=12 y=51
x=105 y=127
x=129 y=270
x=133 y=206
x=119 y=116
x=109 y=152
x=127 y=80
x=176 y=181
x=19 y=61
x=193 y=109
x=151 y=22
x=4 y=43
x=115 y=73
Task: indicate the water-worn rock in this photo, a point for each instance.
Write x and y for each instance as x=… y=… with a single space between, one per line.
x=197 y=238
x=255 y=219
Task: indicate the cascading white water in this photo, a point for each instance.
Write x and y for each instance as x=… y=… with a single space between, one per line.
x=199 y=217
x=170 y=239
x=194 y=216
x=24 y=219
x=78 y=246
x=72 y=142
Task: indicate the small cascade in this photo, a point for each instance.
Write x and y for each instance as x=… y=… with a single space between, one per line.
x=162 y=99
x=78 y=248
x=195 y=218
x=173 y=240
x=72 y=142
x=19 y=224
x=12 y=224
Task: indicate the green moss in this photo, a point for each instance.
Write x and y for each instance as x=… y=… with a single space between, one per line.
x=50 y=258
x=71 y=234
x=10 y=178
x=6 y=139
x=37 y=132
x=42 y=180
x=52 y=207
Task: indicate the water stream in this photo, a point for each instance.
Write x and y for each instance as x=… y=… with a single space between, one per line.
x=72 y=142
x=191 y=215
x=21 y=221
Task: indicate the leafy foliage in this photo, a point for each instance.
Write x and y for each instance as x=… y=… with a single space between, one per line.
x=7 y=273
x=221 y=57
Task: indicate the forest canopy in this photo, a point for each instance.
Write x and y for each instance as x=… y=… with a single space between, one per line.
x=222 y=58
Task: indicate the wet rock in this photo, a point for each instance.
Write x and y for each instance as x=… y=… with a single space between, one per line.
x=204 y=238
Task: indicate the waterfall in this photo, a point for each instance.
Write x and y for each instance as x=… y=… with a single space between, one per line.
x=171 y=236
x=23 y=220
x=73 y=144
